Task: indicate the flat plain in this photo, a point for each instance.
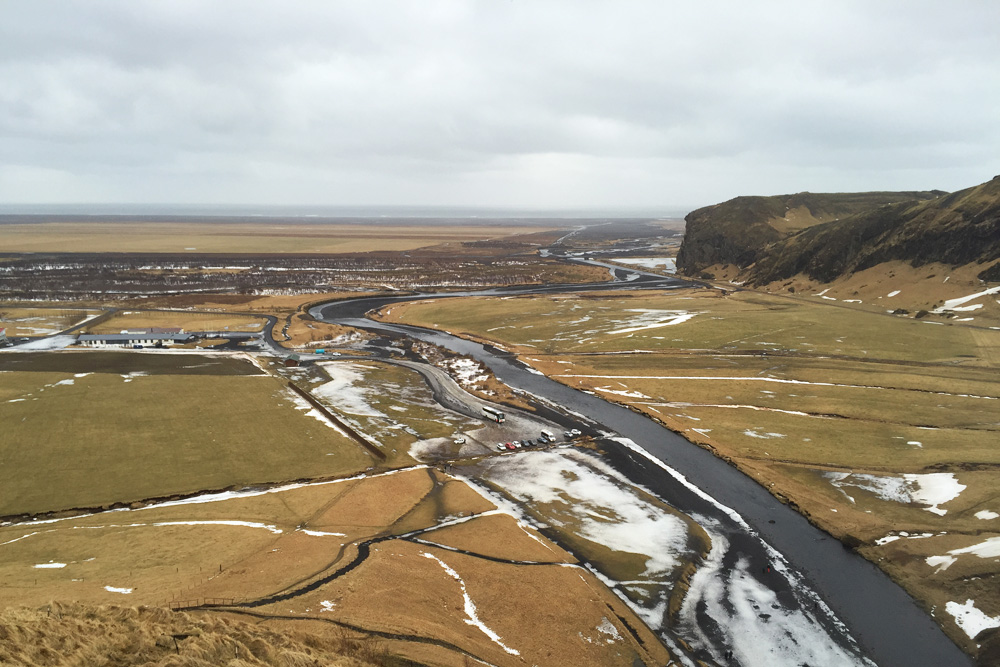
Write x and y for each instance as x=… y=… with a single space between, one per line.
x=267 y=238
x=86 y=429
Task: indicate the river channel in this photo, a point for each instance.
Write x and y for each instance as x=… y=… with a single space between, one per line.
x=816 y=590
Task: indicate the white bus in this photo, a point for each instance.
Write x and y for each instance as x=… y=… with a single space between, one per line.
x=493 y=413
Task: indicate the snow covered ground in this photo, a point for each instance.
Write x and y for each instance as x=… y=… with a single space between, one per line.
x=958 y=303
x=930 y=490
x=744 y=615
x=347 y=390
x=761 y=629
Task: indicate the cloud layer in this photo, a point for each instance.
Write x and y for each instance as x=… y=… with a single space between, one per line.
x=492 y=103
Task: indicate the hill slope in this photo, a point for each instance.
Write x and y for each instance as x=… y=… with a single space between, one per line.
x=957 y=229
x=737 y=232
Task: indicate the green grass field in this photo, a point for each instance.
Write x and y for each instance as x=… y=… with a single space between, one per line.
x=150 y=426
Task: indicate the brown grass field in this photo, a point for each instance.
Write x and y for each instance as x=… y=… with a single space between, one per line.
x=248 y=547
x=187 y=320
x=799 y=394
x=180 y=237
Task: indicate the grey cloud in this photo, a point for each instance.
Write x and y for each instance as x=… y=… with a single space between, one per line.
x=517 y=103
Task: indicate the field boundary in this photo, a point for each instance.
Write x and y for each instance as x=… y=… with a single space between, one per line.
x=350 y=430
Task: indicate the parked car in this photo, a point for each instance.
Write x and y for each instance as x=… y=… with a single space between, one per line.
x=501 y=446
x=510 y=445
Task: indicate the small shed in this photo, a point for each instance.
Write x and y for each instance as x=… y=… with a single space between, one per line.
x=293 y=360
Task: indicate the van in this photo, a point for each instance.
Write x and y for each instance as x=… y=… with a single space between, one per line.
x=547 y=436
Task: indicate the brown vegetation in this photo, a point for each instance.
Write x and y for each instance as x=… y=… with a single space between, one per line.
x=76 y=634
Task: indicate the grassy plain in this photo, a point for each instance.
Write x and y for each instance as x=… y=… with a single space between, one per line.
x=100 y=432
x=26 y=321
x=187 y=320
x=799 y=394
x=182 y=237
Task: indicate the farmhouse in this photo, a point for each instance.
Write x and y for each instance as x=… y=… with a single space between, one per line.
x=133 y=339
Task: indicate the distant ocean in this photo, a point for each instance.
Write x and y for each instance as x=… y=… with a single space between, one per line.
x=303 y=211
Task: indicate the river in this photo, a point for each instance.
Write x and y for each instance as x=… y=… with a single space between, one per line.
x=826 y=605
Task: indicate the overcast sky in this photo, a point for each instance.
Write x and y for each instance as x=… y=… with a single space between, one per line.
x=499 y=103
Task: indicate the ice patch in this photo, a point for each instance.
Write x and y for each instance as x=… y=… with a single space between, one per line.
x=970 y=619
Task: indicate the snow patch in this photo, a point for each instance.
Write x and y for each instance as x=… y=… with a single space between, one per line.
x=589 y=497
x=50 y=566
x=986 y=515
x=470 y=607
x=970 y=619
x=649 y=318
x=222 y=522
x=346 y=389
x=123 y=591
x=753 y=433
x=952 y=304
x=931 y=489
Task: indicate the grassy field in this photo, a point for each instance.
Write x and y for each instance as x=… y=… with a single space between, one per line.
x=118 y=428
x=871 y=424
x=21 y=321
x=181 y=237
x=186 y=320
x=250 y=547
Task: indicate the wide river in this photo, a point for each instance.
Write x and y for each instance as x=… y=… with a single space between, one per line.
x=825 y=604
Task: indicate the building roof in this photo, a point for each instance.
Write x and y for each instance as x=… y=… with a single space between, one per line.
x=124 y=338
x=154 y=330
